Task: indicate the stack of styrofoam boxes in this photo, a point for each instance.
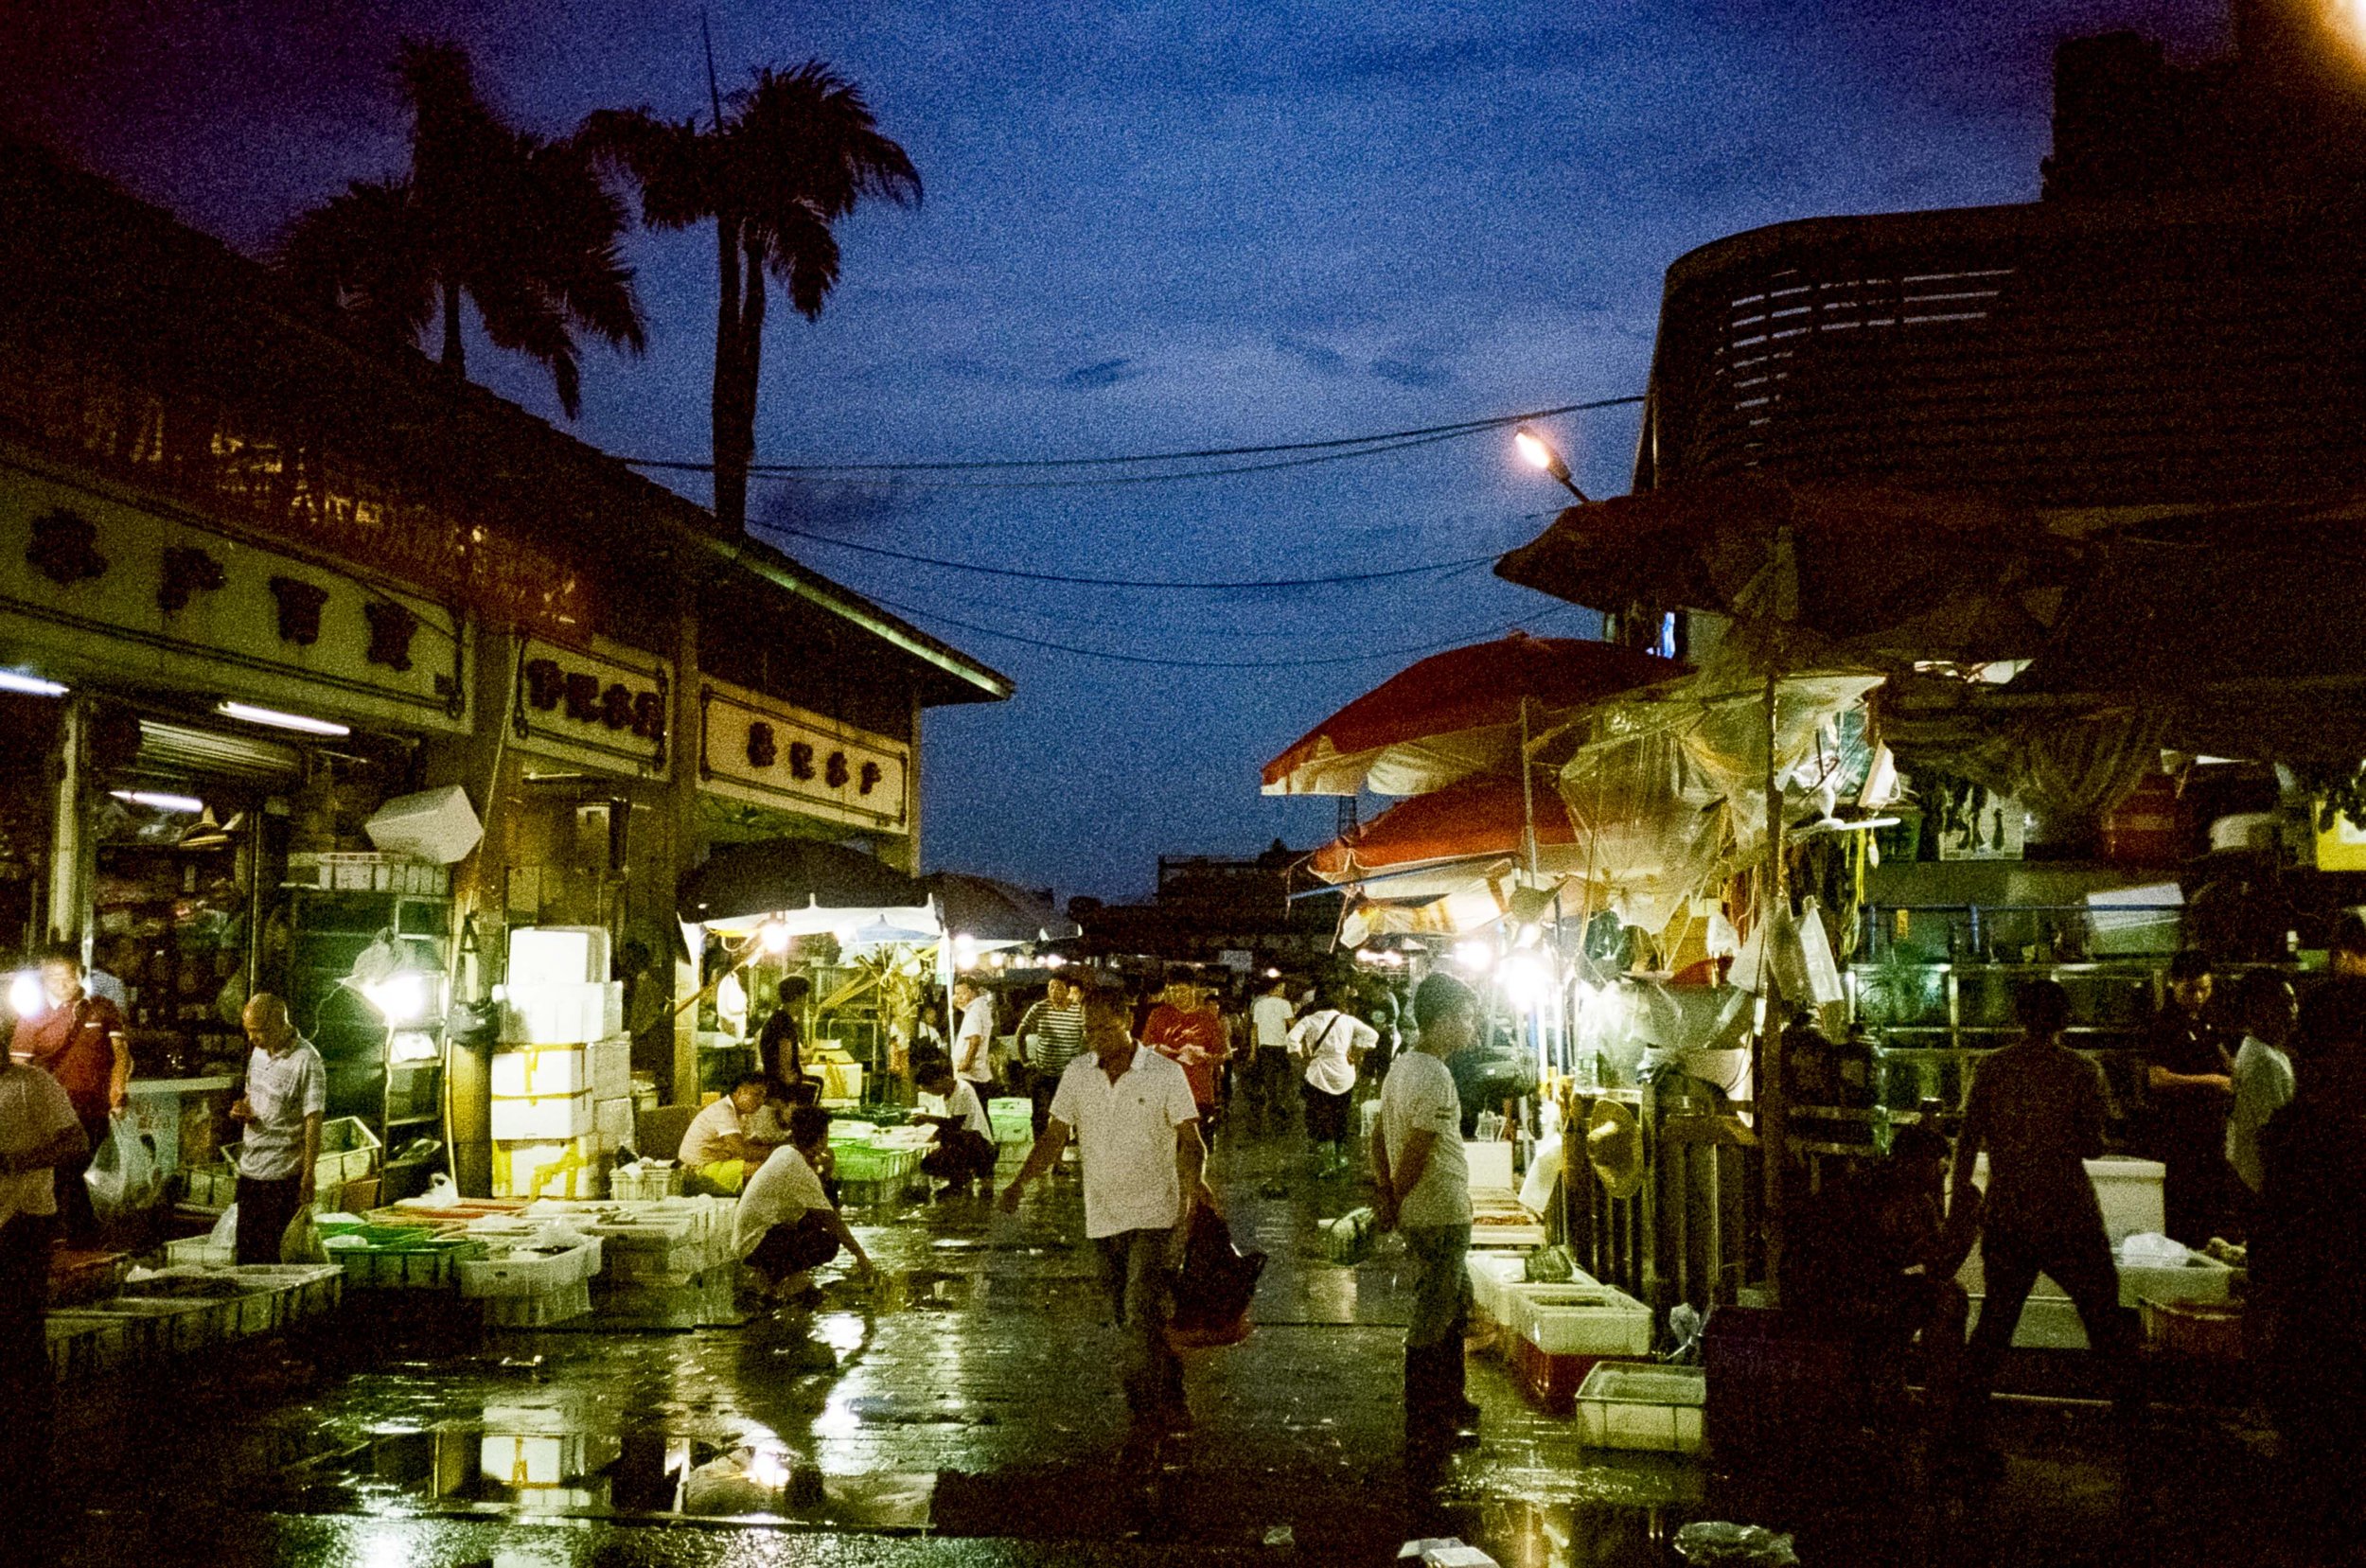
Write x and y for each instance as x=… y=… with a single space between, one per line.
x=1564 y=1330
x=562 y=1080
x=2129 y=1191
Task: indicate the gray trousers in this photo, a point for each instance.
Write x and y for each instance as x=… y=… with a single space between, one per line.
x=1441 y=1284
x=1134 y=1271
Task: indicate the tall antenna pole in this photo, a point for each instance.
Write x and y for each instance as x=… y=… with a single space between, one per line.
x=715 y=91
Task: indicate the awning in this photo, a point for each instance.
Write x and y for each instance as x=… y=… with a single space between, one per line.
x=1456 y=713
x=809 y=885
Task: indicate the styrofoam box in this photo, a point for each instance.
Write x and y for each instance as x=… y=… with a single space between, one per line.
x=529 y=1460
x=1490 y=1273
x=541 y=1116
x=611 y=1068
x=536 y=1071
x=569 y=1014
x=2202 y=1279
x=1490 y=1164
x=1581 y=1320
x=546 y=1169
x=2129 y=1191
x=1657 y=1408
x=557 y=955
x=611 y=1122
x=529 y=1273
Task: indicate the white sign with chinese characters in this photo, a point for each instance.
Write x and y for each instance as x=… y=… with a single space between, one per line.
x=763 y=751
x=98 y=583
x=603 y=705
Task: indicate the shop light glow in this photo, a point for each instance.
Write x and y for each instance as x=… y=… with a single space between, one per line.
x=1527 y=980
x=1054 y=960
x=772 y=936
x=277 y=720
x=29 y=685
x=964 y=949
x=404 y=997
x=188 y=803
x=1477 y=957
x=26 y=999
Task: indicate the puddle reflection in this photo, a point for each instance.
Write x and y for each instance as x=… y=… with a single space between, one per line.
x=474 y=1469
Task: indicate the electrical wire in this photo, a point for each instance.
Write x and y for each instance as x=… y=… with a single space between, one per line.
x=1458 y=563
x=1333 y=449
x=1219 y=663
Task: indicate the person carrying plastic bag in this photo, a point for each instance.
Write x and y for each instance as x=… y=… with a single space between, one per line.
x=287 y=1095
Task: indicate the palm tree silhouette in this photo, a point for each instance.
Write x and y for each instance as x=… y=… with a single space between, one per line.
x=521 y=225
x=785 y=160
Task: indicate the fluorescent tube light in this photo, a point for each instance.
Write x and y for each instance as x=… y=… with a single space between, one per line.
x=279 y=720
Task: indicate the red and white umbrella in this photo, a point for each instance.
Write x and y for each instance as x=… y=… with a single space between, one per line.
x=1457 y=713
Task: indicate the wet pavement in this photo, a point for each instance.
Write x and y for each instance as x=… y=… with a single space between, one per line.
x=964 y=1406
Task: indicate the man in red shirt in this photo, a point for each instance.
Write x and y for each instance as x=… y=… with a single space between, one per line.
x=1187 y=1028
x=77 y=1039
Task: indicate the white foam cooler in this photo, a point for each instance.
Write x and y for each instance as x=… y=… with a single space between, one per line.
x=561 y=1014
x=1581 y=1320
x=536 y=1071
x=541 y=1116
x=557 y=955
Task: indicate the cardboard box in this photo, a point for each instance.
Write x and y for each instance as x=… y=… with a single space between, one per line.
x=541 y=1117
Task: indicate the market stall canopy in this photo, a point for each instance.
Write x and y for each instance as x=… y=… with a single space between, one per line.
x=809 y=885
x=1479 y=818
x=992 y=912
x=1876 y=571
x=1456 y=713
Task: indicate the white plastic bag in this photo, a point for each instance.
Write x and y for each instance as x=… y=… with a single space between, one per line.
x=301 y=1241
x=122 y=1175
x=1536 y=1191
x=225 y=1236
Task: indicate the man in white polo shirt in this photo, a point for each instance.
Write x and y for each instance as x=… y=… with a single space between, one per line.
x=972 y=1032
x=1137 y=1128
x=39 y=1132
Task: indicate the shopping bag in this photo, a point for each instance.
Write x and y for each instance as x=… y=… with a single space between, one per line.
x=1349 y=1239
x=122 y=1177
x=1212 y=1294
x=301 y=1241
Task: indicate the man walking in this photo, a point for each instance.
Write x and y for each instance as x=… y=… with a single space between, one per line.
x=972 y=1032
x=1053 y=1035
x=1270 y=1016
x=1187 y=1028
x=1137 y=1126
x=2036 y=1108
x=1425 y=1190
x=287 y=1095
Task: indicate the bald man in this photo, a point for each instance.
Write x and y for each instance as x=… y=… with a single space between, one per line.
x=287 y=1094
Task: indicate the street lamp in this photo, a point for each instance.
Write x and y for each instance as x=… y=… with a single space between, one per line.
x=1539 y=453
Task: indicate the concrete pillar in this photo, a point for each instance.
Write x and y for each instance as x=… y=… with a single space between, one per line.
x=684 y=842
x=70 y=850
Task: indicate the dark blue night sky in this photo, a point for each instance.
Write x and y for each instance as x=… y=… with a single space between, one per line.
x=1174 y=224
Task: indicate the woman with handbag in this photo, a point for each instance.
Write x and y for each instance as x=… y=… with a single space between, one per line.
x=1332 y=1042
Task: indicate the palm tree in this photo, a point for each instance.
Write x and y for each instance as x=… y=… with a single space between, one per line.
x=523 y=225
x=785 y=160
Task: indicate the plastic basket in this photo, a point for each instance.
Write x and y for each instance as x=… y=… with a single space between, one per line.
x=1657 y=1408
x=529 y=1273
x=430 y=1264
x=2207 y=1330
x=644 y=1184
x=246 y=1308
x=559 y=1304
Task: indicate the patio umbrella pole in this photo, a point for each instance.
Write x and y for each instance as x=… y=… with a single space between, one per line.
x=1772 y=1119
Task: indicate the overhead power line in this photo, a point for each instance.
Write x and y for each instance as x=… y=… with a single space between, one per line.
x=1370 y=656
x=1291 y=454
x=1458 y=563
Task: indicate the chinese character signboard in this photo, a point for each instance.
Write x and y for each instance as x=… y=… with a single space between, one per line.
x=764 y=752
x=605 y=705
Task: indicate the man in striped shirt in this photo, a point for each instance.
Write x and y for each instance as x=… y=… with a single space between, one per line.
x=1052 y=1035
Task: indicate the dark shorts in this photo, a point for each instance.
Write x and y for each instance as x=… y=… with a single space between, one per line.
x=793 y=1248
x=1326 y=1115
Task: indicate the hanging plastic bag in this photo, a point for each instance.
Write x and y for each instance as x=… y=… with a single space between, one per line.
x=1543 y=1175
x=1213 y=1295
x=223 y=1242
x=1349 y=1239
x=122 y=1175
x=301 y=1241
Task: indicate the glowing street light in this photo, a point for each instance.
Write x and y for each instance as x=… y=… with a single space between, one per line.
x=1539 y=453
